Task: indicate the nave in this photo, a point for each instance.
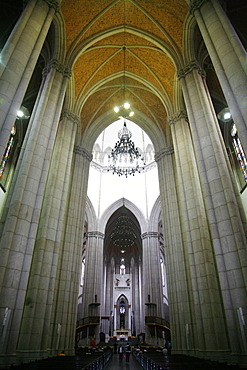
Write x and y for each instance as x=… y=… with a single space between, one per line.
x=167 y=362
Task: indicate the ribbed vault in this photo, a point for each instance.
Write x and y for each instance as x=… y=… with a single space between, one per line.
x=131 y=50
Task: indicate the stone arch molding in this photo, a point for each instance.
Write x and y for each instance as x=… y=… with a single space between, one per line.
x=115 y=206
x=121 y=295
x=93 y=131
x=155 y=215
x=153 y=219
x=90 y=215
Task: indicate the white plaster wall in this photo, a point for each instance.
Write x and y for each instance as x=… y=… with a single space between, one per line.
x=141 y=189
x=105 y=188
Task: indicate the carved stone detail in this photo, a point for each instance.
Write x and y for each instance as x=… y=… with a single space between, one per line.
x=150 y=234
x=83 y=152
x=59 y=67
x=177 y=117
x=195 y=5
x=181 y=73
x=53 y=4
x=66 y=113
x=164 y=152
x=95 y=234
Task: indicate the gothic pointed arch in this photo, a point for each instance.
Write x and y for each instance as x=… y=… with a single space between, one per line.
x=129 y=205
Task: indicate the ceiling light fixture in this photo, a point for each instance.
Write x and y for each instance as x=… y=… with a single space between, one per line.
x=125 y=158
x=225 y=115
x=123 y=235
x=124 y=110
x=22 y=113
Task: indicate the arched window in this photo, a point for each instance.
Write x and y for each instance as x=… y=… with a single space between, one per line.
x=122 y=266
x=82 y=271
x=7 y=152
x=240 y=155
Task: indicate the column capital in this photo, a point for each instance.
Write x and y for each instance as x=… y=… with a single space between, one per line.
x=177 y=117
x=183 y=72
x=195 y=5
x=164 y=152
x=83 y=152
x=53 y=4
x=95 y=234
x=150 y=234
x=66 y=113
x=59 y=67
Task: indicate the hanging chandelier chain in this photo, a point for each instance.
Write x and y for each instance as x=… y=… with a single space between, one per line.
x=125 y=158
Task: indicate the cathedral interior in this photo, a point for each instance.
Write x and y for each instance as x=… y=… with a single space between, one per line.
x=95 y=249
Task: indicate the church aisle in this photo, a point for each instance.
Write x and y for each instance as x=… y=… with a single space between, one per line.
x=115 y=364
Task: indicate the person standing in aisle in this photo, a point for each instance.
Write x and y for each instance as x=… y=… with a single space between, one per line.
x=121 y=352
x=127 y=351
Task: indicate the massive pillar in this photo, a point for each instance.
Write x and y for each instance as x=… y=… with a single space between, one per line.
x=152 y=292
x=18 y=60
x=222 y=204
x=209 y=323
x=47 y=250
x=93 y=281
x=136 y=298
x=67 y=285
x=228 y=57
x=107 y=310
x=68 y=273
x=181 y=309
x=23 y=209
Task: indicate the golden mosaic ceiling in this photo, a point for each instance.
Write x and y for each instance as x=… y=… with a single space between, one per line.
x=124 y=48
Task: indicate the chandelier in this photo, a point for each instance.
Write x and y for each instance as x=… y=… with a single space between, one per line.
x=125 y=158
x=122 y=235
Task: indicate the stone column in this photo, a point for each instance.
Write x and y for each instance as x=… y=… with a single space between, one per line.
x=93 y=276
x=220 y=197
x=109 y=289
x=24 y=204
x=141 y=300
x=209 y=329
x=48 y=248
x=68 y=274
x=228 y=57
x=104 y=292
x=152 y=292
x=181 y=309
x=137 y=304
x=18 y=60
x=151 y=270
x=115 y=319
x=93 y=270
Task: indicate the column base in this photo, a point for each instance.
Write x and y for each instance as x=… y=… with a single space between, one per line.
x=6 y=361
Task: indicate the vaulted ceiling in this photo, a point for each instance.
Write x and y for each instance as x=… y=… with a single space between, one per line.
x=124 y=50
x=130 y=50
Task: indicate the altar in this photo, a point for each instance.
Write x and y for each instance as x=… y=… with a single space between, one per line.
x=122 y=334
